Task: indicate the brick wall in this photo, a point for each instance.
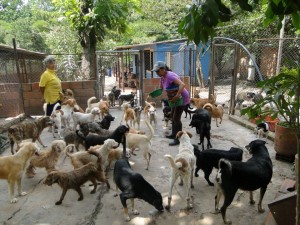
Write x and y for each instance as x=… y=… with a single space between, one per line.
x=33 y=99
x=151 y=84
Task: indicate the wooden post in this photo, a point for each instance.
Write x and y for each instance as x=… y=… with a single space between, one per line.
x=212 y=71
x=234 y=79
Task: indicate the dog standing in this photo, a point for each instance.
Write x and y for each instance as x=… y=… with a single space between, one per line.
x=27 y=129
x=152 y=115
x=183 y=167
x=166 y=111
x=128 y=98
x=262 y=130
x=12 y=167
x=256 y=173
x=138 y=111
x=129 y=114
x=215 y=111
x=133 y=185
x=56 y=119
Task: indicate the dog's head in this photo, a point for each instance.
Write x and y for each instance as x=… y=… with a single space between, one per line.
x=95 y=111
x=109 y=117
x=158 y=202
x=70 y=148
x=52 y=177
x=28 y=149
x=183 y=134
x=122 y=129
x=44 y=121
x=58 y=146
x=111 y=143
x=254 y=146
x=138 y=109
x=152 y=110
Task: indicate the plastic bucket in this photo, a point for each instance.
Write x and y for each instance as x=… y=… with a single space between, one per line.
x=178 y=103
x=156 y=93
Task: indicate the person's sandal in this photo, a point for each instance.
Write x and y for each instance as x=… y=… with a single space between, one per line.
x=171 y=136
x=174 y=142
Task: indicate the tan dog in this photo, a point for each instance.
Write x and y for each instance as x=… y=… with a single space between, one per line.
x=141 y=141
x=74 y=179
x=183 y=166
x=200 y=102
x=12 y=167
x=46 y=159
x=68 y=94
x=148 y=104
x=215 y=111
x=27 y=129
x=114 y=155
x=104 y=108
x=129 y=114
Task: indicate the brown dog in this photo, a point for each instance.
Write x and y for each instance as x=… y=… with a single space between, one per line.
x=27 y=129
x=12 y=167
x=46 y=159
x=200 y=102
x=104 y=108
x=129 y=114
x=74 y=179
x=215 y=111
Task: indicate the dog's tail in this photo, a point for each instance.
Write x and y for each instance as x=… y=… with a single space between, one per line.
x=89 y=101
x=54 y=109
x=225 y=165
x=208 y=106
x=178 y=165
x=149 y=137
x=79 y=135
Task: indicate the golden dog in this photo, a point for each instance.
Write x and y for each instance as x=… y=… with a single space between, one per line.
x=12 y=167
x=215 y=111
x=27 y=129
x=104 y=108
x=129 y=114
x=200 y=102
x=46 y=159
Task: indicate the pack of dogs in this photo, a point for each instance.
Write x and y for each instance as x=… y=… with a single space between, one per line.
x=91 y=131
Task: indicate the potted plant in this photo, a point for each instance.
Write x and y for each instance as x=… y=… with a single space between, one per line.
x=282 y=102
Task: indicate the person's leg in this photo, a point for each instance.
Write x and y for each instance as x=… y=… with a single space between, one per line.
x=172 y=135
x=176 y=123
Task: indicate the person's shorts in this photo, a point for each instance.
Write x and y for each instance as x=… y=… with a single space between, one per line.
x=50 y=107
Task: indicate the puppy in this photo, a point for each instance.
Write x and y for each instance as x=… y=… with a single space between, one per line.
x=128 y=98
x=262 y=130
x=208 y=159
x=129 y=114
x=201 y=120
x=46 y=159
x=143 y=142
x=12 y=167
x=166 y=111
x=27 y=129
x=256 y=173
x=75 y=178
x=182 y=166
x=133 y=185
x=138 y=111
x=215 y=111
x=152 y=115
x=56 y=118
x=200 y=102
x=104 y=108
x=79 y=117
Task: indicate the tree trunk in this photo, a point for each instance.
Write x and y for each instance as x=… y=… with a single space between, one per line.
x=199 y=73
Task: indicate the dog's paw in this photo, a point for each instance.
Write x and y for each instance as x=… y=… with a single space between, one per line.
x=23 y=193
x=80 y=198
x=135 y=212
x=167 y=207
x=58 y=203
x=14 y=200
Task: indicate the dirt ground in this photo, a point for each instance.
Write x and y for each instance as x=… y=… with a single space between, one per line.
x=38 y=206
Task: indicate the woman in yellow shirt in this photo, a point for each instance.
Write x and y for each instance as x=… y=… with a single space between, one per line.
x=50 y=84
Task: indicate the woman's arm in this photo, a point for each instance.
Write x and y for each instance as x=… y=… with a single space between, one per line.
x=180 y=88
x=42 y=89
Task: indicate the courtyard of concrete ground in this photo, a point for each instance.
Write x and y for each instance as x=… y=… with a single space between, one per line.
x=38 y=206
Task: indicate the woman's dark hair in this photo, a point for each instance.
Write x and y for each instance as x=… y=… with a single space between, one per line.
x=167 y=68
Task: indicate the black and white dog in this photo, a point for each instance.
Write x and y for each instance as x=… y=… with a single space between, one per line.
x=262 y=130
x=166 y=111
x=209 y=159
x=133 y=185
x=256 y=173
x=189 y=110
x=128 y=98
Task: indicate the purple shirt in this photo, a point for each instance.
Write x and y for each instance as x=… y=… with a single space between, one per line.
x=167 y=82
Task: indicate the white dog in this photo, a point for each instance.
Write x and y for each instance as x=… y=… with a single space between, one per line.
x=183 y=166
x=152 y=115
x=55 y=117
x=67 y=108
x=79 y=117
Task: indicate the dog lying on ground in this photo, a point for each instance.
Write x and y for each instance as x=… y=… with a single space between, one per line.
x=201 y=120
x=208 y=159
x=262 y=130
x=128 y=98
x=27 y=129
x=143 y=142
x=182 y=166
x=12 y=167
x=75 y=178
x=249 y=176
x=133 y=185
x=215 y=111
x=94 y=139
x=200 y=102
x=46 y=159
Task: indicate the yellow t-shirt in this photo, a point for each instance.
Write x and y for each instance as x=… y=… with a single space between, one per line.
x=52 y=85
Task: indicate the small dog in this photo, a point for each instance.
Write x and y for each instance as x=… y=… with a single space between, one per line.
x=46 y=159
x=138 y=111
x=91 y=105
x=152 y=115
x=106 y=121
x=147 y=107
x=250 y=175
x=129 y=114
x=66 y=110
x=208 y=159
x=182 y=166
x=215 y=111
x=166 y=111
x=201 y=120
x=128 y=98
x=75 y=178
x=79 y=117
x=261 y=130
x=27 y=129
x=200 y=102
x=133 y=185
x=12 y=167
x=143 y=142
x=104 y=108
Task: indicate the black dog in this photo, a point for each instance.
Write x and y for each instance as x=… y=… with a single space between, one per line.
x=128 y=98
x=201 y=120
x=106 y=121
x=166 y=111
x=133 y=185
x=113 y=95
x=208 y=159
x=251 y=175
x=94 y=139
x=189 y=110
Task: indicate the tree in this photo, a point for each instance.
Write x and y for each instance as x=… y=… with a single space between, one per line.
x=92 y=20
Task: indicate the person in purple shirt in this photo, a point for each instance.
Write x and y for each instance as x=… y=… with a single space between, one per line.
x=178 y=96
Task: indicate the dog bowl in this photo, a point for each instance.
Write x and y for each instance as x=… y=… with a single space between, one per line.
x=156 y=93
x=178 y=103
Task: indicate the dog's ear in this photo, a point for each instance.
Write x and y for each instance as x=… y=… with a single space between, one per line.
x=190 y=134
x=179 y=134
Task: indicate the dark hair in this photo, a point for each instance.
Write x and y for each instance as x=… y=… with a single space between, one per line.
x=167 y=68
